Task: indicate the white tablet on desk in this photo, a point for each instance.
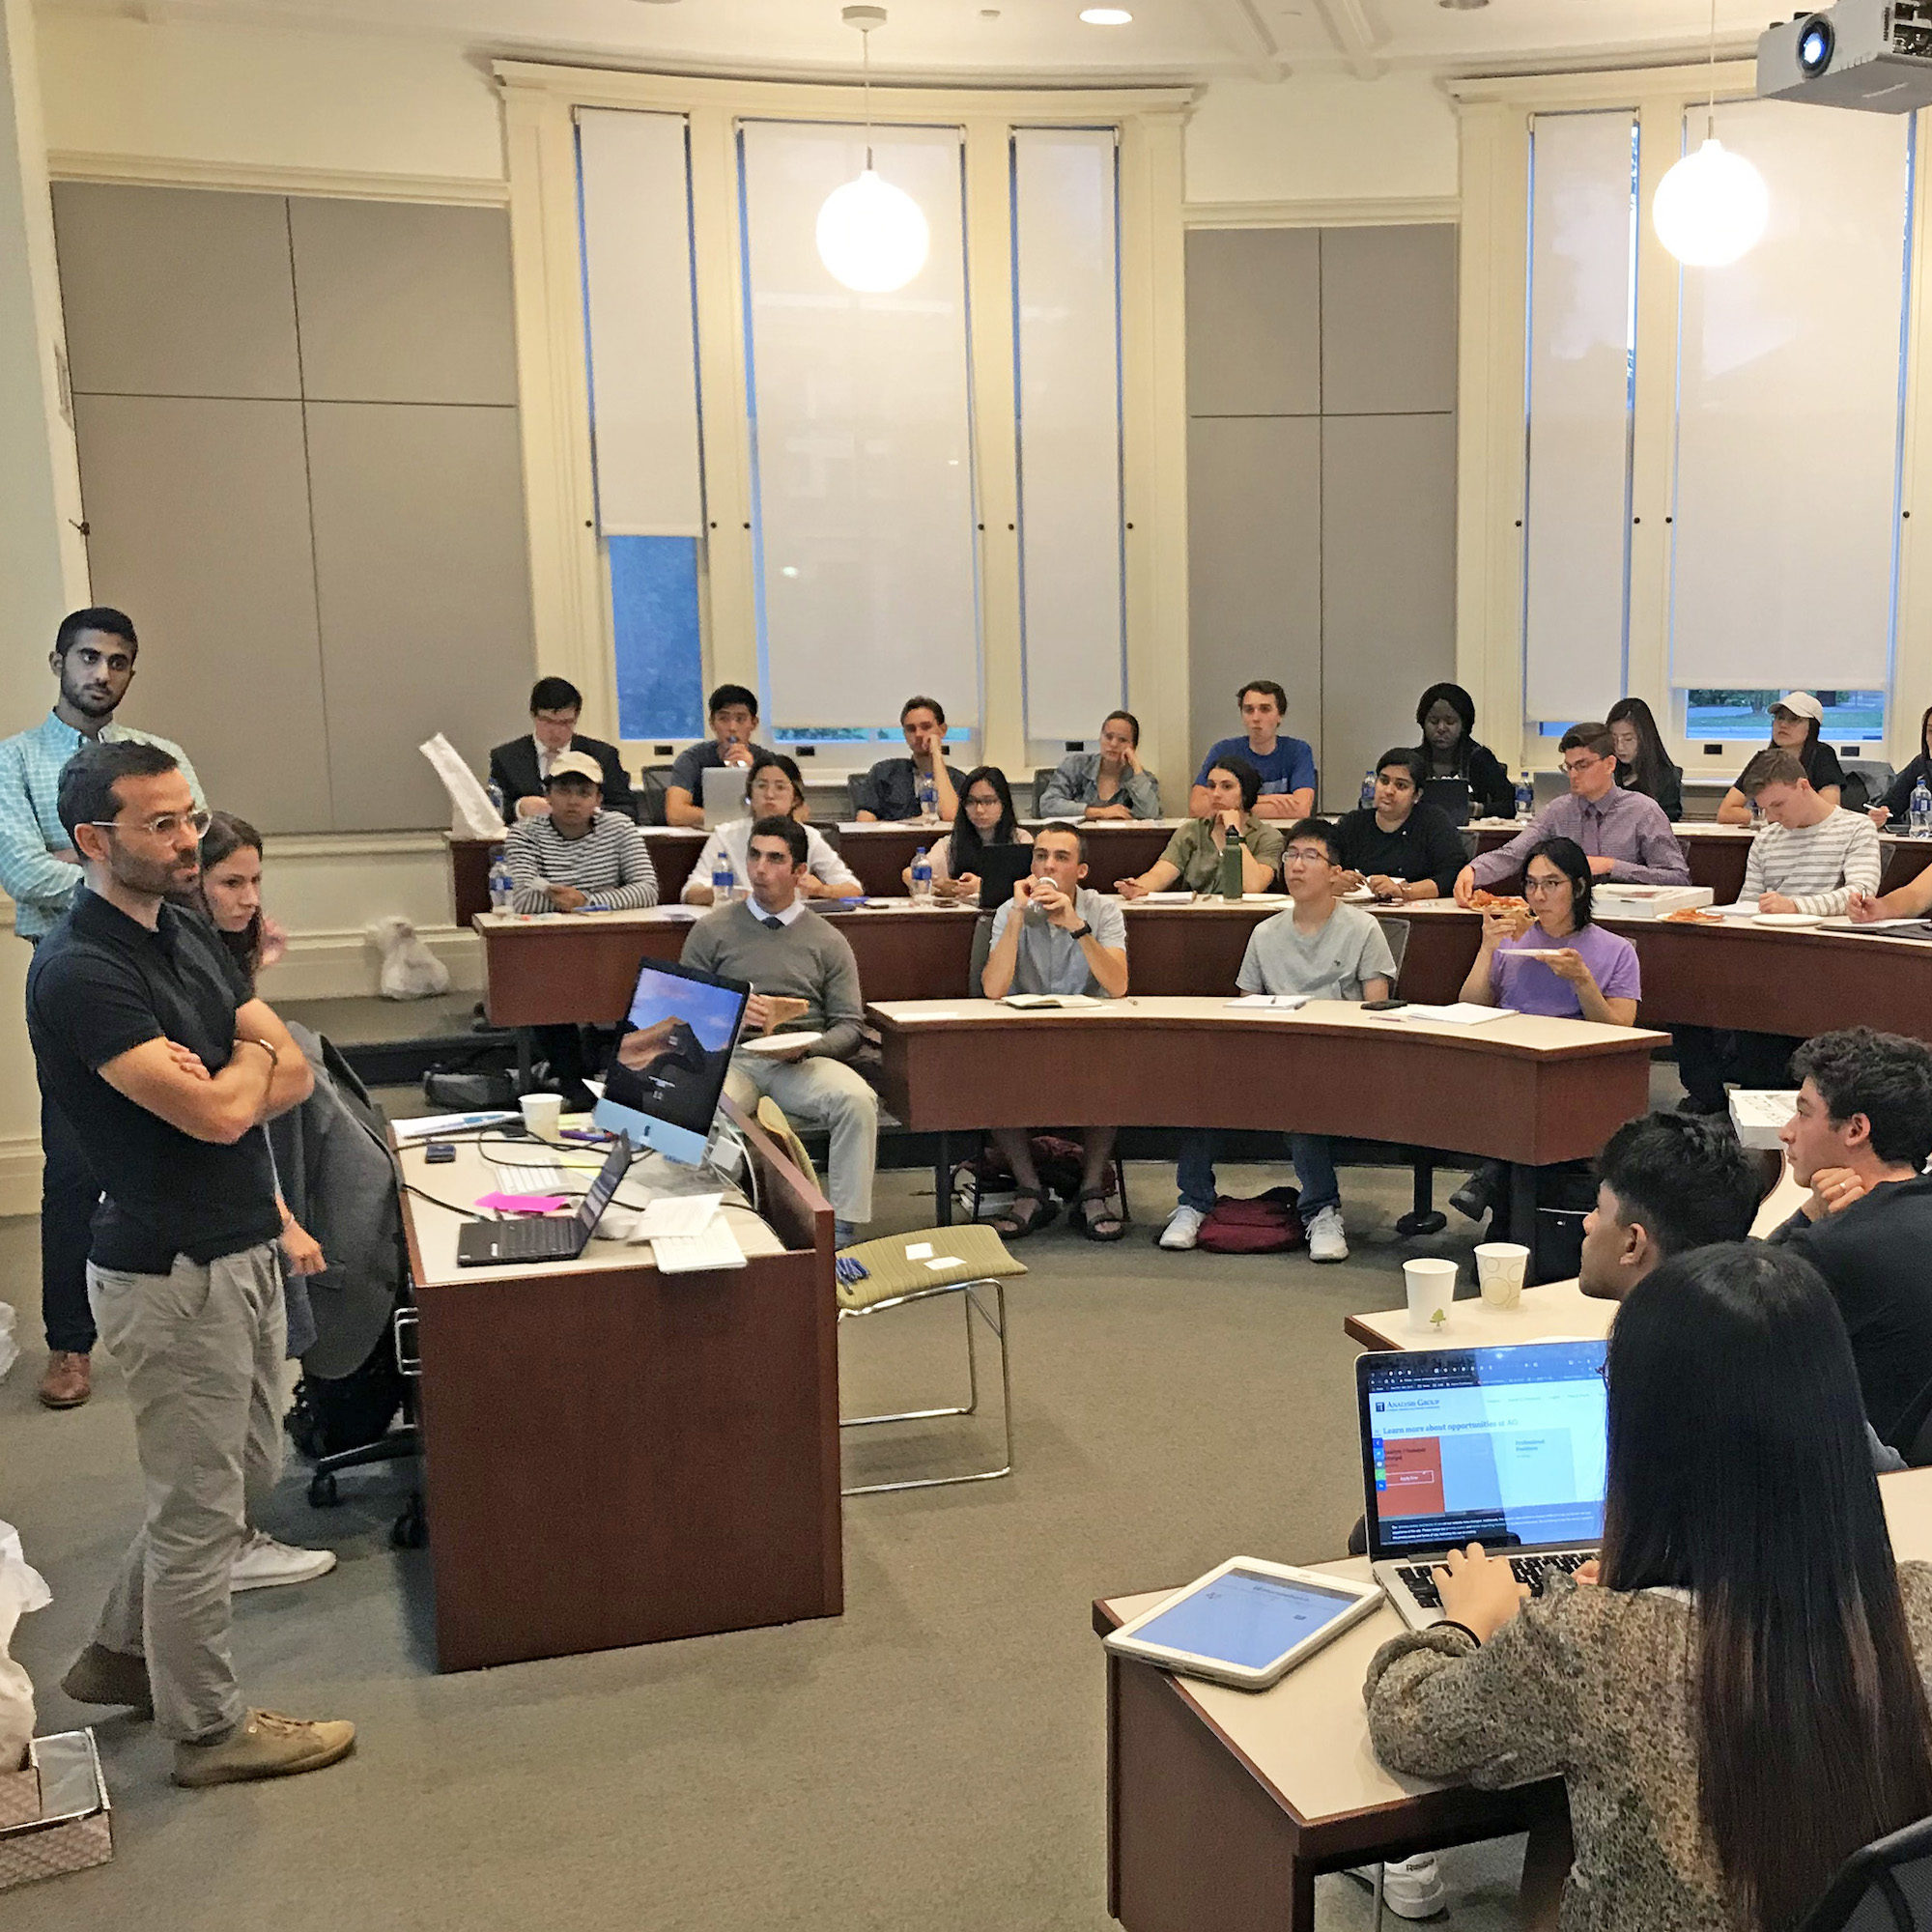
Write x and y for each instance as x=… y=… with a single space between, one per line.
x=1247 y=1624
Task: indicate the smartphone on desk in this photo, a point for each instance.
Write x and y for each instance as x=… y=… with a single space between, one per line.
x=1382 y=1005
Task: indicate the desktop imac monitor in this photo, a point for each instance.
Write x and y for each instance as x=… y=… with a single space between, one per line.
x=671 y=1061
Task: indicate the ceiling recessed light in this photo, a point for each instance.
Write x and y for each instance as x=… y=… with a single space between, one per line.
x=1106 y=16
x=1463 y=6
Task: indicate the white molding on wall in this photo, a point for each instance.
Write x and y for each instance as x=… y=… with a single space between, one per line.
x=169 y=171
x=20 y=1173
x=1342 y=211
x=345 y=965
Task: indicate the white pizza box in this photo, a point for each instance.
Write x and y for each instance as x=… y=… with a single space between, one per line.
x=1758 y=1116
x=1647 y=901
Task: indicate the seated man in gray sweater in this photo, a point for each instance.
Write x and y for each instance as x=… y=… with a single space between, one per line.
x=785 y=952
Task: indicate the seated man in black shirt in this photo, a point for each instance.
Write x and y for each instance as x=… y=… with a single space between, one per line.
x=150 y=1043
x=1401 y=848
x=1860 y=1141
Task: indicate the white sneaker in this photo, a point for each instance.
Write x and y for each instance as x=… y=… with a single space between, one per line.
x=1326 y=1241
x=1183 y=1227
x=1411 y=1888
x=262 y=1563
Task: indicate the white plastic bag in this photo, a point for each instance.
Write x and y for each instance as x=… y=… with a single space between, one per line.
x=22 y=1588
x=9 y=1349
x=411 y=971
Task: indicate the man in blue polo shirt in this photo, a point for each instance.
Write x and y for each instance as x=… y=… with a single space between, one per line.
x=1287 y=765
x=94 y=658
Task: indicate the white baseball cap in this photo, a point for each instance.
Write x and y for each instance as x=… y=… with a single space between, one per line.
x=1800 y=704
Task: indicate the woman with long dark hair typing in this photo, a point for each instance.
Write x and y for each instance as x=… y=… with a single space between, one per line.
x=1736 y=1700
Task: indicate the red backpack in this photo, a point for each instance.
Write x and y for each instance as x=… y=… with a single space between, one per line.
x=1266 y=1225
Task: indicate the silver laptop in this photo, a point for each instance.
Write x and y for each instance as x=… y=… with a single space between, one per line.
x=1502 y=1446
x=723 y=794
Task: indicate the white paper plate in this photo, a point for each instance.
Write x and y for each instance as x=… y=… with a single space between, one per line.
x=778 y=1043
x=1361 y=896
x=1796 y=922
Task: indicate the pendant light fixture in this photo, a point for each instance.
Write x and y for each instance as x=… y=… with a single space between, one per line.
x=1712 y=206
x=871 y=235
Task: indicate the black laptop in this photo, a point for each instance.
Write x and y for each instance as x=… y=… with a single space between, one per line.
x=544 y=1238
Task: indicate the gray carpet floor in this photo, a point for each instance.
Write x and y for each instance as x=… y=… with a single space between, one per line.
x=933 y=1758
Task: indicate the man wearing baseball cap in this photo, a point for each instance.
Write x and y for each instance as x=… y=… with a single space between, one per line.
x=1796 y=719
x=577 y=858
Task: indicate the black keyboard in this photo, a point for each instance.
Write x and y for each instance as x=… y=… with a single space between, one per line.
x=538 y=1239
x=1529 y=1570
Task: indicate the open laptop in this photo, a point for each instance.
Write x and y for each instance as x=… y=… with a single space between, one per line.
x=1000 y=868
x=1451 y=797
x=1502 y=1446
x=545 y=1238
x=723 y=796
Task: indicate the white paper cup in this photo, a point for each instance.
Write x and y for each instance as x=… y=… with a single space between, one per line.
x=1500 y=1269
x=1432 y=1288
x=542 y=1114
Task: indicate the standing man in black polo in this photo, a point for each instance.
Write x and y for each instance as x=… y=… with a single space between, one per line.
x=152 y=1047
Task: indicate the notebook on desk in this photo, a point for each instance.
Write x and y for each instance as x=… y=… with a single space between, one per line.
x=1506 y=1446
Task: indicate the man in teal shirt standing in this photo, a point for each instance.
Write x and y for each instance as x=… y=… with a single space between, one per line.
x=94 y=658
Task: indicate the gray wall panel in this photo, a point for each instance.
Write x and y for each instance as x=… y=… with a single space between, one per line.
x=199 y=517
x=1388 y=583
x=1253 y=509
x=404 y=302
x=176 y=291
x=425 y=594
x=1388 y=318
x=1254 y=341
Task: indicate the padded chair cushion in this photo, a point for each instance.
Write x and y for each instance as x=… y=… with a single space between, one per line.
x=976 y=1254
x=775 y=1122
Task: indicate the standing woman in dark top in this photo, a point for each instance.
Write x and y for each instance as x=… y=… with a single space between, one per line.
x=1642 y=763
x=1447 y=715
x=1796 y=719
x=1895 y=807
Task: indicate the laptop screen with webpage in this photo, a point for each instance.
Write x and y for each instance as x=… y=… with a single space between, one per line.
x=1497 y=1447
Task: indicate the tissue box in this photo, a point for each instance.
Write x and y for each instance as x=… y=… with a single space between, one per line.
x=1647 y=901
x=1758 y=1116
x=54 y=1816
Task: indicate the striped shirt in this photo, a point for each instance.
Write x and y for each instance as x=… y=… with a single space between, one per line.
x=1815 y=866
x=609 y=864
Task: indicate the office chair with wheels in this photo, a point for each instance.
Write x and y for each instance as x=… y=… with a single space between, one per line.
x=1042 y=777
x=1886 y=1887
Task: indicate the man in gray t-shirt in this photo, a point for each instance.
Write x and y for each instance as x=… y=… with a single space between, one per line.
x=1325 y=950
x=1054 y=936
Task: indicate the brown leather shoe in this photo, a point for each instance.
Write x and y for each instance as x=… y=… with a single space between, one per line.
x=68 y=1381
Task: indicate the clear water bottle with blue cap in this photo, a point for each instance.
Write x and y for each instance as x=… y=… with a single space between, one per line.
x=922 y=878
x=1368 y=797
x=1525 y=798
x=496 y=792
x=1922 y=810
x=722 y=880
x=502 y=888
x=928 y=798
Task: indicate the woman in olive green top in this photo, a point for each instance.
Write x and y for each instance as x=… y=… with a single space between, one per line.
x=1192 y=860
x=1734 y=1695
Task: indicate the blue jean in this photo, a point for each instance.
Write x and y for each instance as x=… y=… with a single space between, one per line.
x=1314 y=1170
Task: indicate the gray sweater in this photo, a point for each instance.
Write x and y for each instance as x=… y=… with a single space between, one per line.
x=804 y=960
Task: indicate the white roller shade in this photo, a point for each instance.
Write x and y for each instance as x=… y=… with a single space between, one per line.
x=1067 y=303
x=1788 y=413
x=638 y=298
x=860 y=439
x=1577 y=524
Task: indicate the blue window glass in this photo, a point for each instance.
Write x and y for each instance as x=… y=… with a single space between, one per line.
x=654 y=621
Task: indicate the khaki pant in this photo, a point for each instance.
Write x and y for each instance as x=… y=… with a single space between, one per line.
x=200 y=1349
x=827 y=1095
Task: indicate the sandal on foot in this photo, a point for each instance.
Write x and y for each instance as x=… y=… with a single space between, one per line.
x=1101 y=1226
x=1013 y=1226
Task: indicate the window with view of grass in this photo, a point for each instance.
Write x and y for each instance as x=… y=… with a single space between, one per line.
x=1850 y=716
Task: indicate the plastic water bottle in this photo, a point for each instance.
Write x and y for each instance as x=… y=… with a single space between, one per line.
x=928 y=798
x=722 y=880
x=496 y=792
x=1368 y=797
x=922 y=878
x=1525 y=800
x=502 y=888
x=1922 y=810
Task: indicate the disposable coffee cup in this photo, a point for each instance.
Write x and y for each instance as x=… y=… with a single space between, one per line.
x=1500 y=1269
x=1432 y=1289
x=542 y=1114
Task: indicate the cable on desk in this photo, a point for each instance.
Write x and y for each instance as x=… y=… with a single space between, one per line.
x=434 y=1200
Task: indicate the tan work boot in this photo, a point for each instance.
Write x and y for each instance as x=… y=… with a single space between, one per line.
x=263 y=1745
x=68 y=1381
x=103 y=1676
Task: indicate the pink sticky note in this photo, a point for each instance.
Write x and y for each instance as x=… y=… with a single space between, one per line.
x=524 y=1204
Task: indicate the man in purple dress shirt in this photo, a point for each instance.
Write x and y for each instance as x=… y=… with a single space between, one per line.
x=1625 y=834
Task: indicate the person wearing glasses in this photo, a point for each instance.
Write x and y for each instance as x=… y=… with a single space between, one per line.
x=94 y=660
x=150 y=1042
x=1623 y=835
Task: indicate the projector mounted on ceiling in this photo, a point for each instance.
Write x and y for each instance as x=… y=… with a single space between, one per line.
x=1871 y=54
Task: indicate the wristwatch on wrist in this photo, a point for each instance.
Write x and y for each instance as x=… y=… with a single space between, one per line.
x=1081 y=931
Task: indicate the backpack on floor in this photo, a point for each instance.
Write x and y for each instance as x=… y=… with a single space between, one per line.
x=1267 y=1224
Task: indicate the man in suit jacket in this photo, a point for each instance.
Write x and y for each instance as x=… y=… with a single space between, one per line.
x=520 y=767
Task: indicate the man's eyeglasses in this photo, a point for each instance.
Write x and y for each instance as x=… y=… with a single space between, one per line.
x=1587 y=762
x=1560 y=883
x=162 y=826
